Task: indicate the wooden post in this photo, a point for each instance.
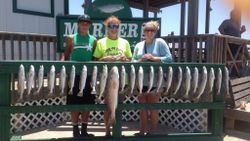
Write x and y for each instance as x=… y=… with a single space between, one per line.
x=183 y=17
x=208 y=9
x=145 y=8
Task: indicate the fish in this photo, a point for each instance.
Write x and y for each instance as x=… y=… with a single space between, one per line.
x=123 y=78
x=111 y=96
x=40 y=79
x=160 y=79
x=178 y=81
x=195 y=80
x=93 y=81
x=72 y=79
x=109 y=8
x=218 y=81
x=132 y=78
x=51 y=85
x=151 y=78
x=103 y=81
x=21 y=81
x=30 y=79
x=187 y=84
x=83 y=79
x=169 y=80
x=140 y=79
x=202 y=85
x=211 y=80
x=62 y=80
x=226 y=79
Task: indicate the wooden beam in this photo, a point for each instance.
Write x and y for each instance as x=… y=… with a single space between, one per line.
x=145 y=8
x=138 y=5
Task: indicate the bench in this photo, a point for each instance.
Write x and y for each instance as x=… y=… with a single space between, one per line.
x=239 y=90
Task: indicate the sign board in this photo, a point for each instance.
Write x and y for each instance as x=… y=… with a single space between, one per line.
x=130 y=29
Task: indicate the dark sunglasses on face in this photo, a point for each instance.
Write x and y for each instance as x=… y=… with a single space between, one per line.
x=113 y=26
x=149 y=30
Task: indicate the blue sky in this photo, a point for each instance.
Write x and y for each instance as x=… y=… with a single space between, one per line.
x=170 y=16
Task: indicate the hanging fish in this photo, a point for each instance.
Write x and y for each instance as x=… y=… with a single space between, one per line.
x=52 y=75
x=169 y=80
x=160 y=79
x=93 y=81
x=151 y=78
x=83 y=79
x=211 y=80
x=103 y=81
x=195 y=80
x=187 y=84
x=31 y=78
x=21 y=81
x=140 y=79
x=178 y=81
x=40 y=79
x=226 y=79
x=62 y=80
x=218 y=81
x=72 y=79
x=123 y=78
x=203 y=84
x=111 y=96
x=132 y=79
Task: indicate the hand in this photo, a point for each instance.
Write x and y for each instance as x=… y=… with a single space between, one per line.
x=108 y=58
x=243 y=29
x=123 y=58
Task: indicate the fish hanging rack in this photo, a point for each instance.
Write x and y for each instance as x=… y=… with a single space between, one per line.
x=216 y=105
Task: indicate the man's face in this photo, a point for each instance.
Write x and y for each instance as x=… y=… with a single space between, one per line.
x=83 y=27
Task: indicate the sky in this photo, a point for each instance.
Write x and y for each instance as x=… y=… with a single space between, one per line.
x=170 y=16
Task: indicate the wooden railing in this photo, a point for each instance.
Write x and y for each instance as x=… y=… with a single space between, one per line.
x=27 y=46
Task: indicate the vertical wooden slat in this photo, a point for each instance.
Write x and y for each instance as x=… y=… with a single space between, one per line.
x=41 y=47
x=194 y=50
x=55 y=48
x=3 y=47
x=200 y=50
x=27 y=47
x=173 y=50
x=48 y=49
x=34 y=47
x=180 y=47
x=12 y=47
x=186 y=50
x=20 y=47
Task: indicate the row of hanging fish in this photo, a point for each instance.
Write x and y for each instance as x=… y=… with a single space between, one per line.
x=184 y=82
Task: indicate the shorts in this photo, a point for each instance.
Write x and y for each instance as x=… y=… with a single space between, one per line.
x=87 y=97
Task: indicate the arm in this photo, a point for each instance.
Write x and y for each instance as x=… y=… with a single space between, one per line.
x=222 y=27
x=68 y=49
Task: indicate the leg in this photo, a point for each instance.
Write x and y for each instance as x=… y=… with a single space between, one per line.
x=74 y=119
x=143 y=116
x=154 y=114
x=85 y=117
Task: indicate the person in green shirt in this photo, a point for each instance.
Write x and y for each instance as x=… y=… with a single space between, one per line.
x=80 y=47
x=112 y=48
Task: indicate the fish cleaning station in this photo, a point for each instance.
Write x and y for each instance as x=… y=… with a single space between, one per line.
x=197 y=90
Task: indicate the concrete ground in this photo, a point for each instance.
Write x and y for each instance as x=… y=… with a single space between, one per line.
x=128 y=130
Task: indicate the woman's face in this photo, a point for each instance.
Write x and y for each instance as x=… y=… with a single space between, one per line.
x=149 y=32
x=113 y=28
x=83 y=27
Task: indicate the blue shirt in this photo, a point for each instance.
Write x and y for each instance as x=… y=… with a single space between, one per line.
x=230 y=28
x=158 y=48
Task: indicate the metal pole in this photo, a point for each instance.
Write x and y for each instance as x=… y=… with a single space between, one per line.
x=208 y=9
x=183 y=17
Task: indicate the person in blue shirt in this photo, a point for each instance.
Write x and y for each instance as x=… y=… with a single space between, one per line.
x=151 y=49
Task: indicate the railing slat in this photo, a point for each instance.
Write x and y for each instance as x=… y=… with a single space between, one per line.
x=4 y=47
x=41 y=47
x=34 y=46
x=12 y=47
x=27 y=47
x=20 y=47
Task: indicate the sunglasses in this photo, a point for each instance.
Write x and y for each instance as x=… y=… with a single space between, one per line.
x=150 y=30
x=113 y=26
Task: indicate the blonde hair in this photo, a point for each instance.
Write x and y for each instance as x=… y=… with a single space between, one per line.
x=111 y=19
x=154 y=24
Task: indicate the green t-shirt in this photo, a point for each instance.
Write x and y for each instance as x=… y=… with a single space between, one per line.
x=108 y=47
x=83 y=48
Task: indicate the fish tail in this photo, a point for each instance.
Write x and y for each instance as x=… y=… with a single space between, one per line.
x=71 y=91
x=112 y=120
x=93 y=91
x=80 y=94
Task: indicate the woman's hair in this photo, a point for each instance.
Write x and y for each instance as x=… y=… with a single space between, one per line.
x=111 y=19
x=154 y=24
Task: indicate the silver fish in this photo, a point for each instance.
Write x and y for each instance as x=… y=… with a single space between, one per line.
x=83 y=79
x=93 y=81
x=203 y=84
x=72 y=79
x=218 y=80
x=140 y=79
x=226 y=78
x=40 y=79
x=211 y=80
x=62 y=80
x=151 y=78
x=31 y=78
x=132 y=79
x=187 y=84
x=52 y=75
x=195 y=80
x=110 y=8
x=169 y=80
x=21 y=81
x=103 y=81
x=160 y=79
x=178 y=81
x=111 y=96
x=123 y=78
